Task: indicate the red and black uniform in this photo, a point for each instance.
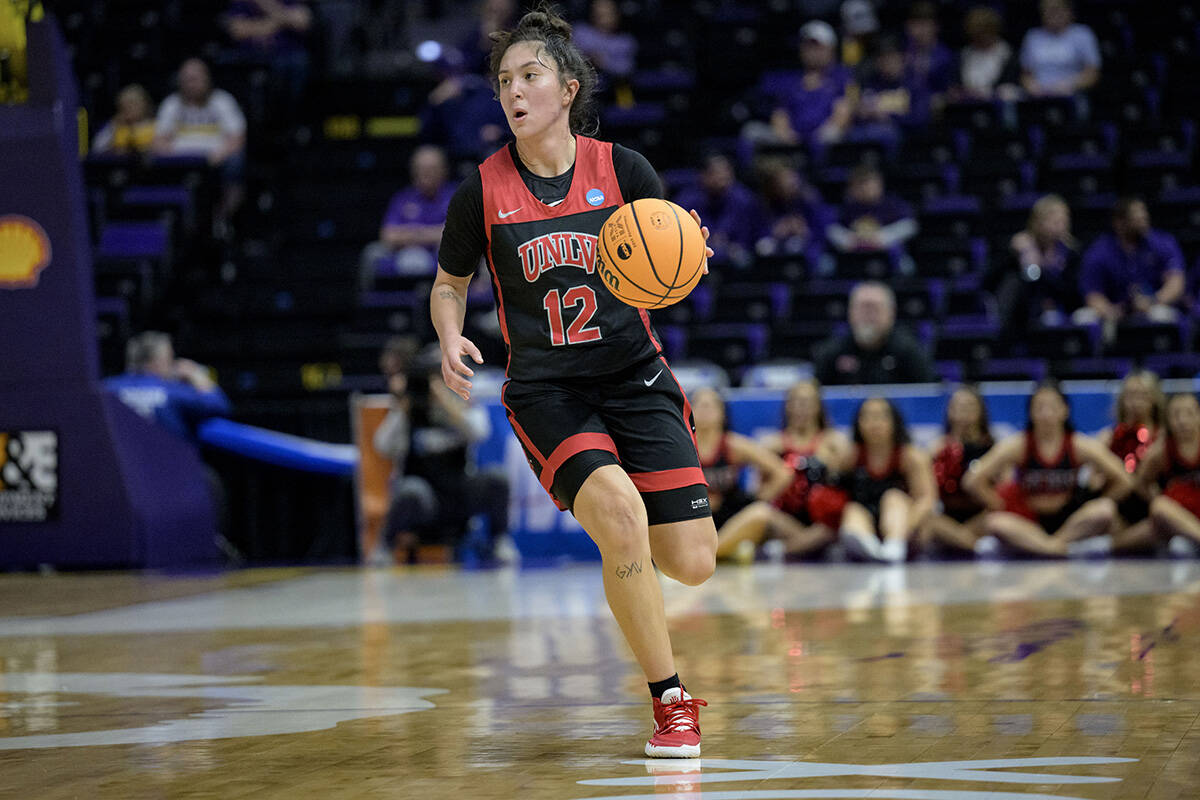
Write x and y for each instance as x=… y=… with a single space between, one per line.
x=1130 y=443
x=950 y=465
x=1180 y=478
x=724 y=475
x=1035 y=477
x=588 y=385
x=808 y=497
x=868 y=487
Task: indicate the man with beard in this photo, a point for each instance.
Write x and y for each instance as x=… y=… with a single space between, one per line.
x=874 y=350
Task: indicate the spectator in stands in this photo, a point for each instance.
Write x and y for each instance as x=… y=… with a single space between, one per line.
x=890 y=482
x=731 y=211
x=1060 y=58
x=462 y=114
x=869 y=218
x=176 y=393
x=987 y=66
x=806 y=514
x=610 y=50
x=724 y=454
x=131 y=130
x=1041 y=285
x=796 y=215
x=892 y=95
x=412 y=226
x=874 y=350
x=476 y=46
x=273 y=32
x=200 y=120
x=818 y=104
x=966 y=438
x=1135 y=270
x=1045 y=510
x=860 y=24
x=1170 y=475
x=427 y=433
x=929 y=64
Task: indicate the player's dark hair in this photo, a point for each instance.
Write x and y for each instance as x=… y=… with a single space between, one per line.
x=899 y=429
x=140 y=349
x=1048 y=385
x=985 y=421
x=546 y=26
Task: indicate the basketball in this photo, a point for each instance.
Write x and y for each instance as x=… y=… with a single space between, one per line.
x=651 y=253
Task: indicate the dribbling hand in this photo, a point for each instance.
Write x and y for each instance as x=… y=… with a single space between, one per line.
x=455 y=373
x=708 y=251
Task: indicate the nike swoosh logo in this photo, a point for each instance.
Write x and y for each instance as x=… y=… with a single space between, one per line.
x=652 y=380
x=503 y=214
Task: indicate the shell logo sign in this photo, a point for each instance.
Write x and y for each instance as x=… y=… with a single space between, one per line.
x=24 y=252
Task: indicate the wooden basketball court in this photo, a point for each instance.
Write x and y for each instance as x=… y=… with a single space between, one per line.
x=931 y=681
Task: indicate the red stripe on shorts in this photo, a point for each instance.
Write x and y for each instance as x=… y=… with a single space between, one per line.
x=666 y=479
x=573 y=445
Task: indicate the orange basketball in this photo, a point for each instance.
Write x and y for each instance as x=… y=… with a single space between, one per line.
x=651 y=253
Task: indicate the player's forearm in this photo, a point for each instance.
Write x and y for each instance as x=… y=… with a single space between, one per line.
x=448 y=310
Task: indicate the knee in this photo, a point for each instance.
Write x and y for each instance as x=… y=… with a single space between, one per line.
x=696 y=567
x=1102 y=508
x=622 y=529
x=1160 y=507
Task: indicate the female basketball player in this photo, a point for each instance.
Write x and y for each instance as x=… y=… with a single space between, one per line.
x=604 y=424
x=1169 y=472
x=807 y=513
x=890 y=483
x=967 y=437
x=1045 y=508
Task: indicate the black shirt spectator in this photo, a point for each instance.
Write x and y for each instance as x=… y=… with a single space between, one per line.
x=874 y=350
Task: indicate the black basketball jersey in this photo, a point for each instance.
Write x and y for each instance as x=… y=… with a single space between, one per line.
x=557 y=317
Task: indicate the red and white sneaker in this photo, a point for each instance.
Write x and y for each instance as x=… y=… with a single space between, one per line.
x=676 y=726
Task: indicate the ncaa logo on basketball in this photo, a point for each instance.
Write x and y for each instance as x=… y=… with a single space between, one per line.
x=594 y=197
x=624 y=251
x=24 y=252
x=28 y=476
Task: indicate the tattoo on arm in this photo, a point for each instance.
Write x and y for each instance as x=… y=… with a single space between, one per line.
x=627 y=570
x=446 y=293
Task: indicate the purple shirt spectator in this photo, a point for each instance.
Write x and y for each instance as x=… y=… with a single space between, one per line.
x=1056 y=59
x=600 y=39
x=411 y=207
x=860 y=217
x=284 y=35
x=936 y=68
x=1109 y=269
x=732 y=213
x=809 y=99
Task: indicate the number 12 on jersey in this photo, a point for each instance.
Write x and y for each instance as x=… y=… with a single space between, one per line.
x=579 y=331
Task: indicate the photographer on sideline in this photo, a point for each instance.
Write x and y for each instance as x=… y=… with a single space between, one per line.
x=427 y=432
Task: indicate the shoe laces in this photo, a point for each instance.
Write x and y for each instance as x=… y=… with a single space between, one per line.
x=682 y=715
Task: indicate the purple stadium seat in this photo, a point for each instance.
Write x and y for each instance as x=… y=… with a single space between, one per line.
x=1091 y=368
x=967 y=341
x=1008 y=369
x=134 y=240
x=1174 y=365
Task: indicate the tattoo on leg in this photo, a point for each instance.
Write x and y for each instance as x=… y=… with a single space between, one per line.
x=626 y=570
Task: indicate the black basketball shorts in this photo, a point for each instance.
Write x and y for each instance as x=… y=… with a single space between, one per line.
x=638 y=418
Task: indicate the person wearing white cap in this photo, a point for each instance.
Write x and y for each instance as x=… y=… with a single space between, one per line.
x=818 y=104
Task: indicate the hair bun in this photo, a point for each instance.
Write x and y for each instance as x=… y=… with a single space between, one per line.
x=545 y=17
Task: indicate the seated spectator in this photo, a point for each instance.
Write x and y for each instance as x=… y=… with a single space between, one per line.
x=796 y=216
x=806 y=514
x=724 y=453
x=929 y=65
x=1041 y=285
x=176 y=393
x=274 y=33
x=890 y=483
x=817 y=104
x=412 y=226
x=870 y=219
x=427 y=433
x=200 y=120
x=14 y=82
x=987 y=67
x=1060 y=58
x=131 y=130
x=729 y=209
x=476 y=46
x=1046 y=510
x=1169 y=474
x=462 y=114
x=966 y=438
x=611 y=51
x=874 y=350
x=892 y=95
x=860 y=24
x=1135 y=270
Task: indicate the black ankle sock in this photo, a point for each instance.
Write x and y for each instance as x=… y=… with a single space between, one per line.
x=658 y=687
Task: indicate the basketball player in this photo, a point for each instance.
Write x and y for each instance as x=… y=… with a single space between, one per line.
x=605 y=426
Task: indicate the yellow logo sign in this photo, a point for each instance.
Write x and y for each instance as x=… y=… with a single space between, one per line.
x=24 y=252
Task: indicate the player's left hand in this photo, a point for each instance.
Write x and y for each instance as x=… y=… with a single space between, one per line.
x=708 y=251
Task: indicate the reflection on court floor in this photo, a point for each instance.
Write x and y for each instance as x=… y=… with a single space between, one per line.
x=928 y=681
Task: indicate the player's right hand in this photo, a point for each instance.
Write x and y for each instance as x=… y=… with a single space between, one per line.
x=455 y=373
